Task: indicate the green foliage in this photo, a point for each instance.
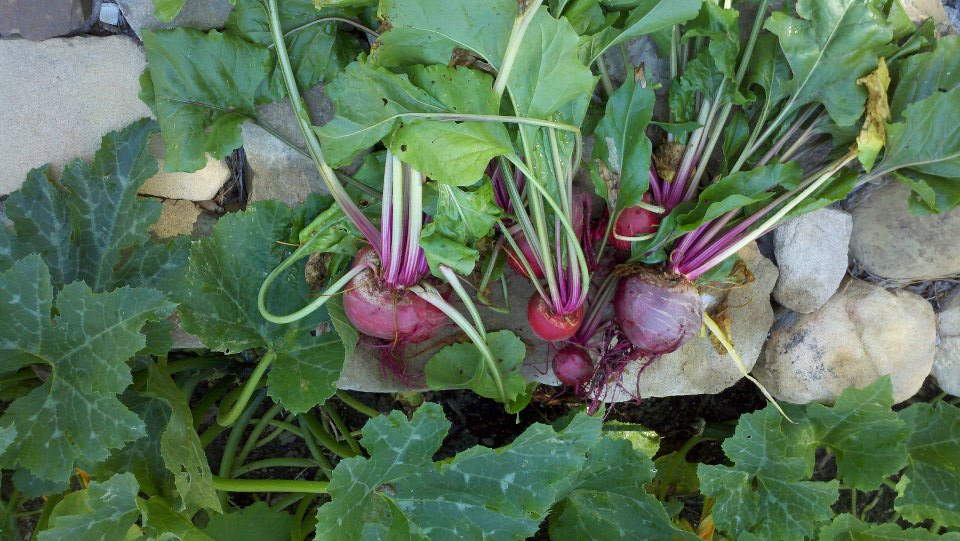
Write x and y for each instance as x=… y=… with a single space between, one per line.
x=831 y=45
x=202 y=87
x=74 y=417
x=930 y=486
x=462 y=218
x=460 y=366
x=105 y=510
x=607 y=500
x=219 y=305
x=398 y=493
x=847 y=527
x=257 y=521
x=623 y=147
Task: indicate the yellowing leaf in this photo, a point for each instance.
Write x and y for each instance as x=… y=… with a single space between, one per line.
x=874 y=132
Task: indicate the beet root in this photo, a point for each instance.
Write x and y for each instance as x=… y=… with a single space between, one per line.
x=658 y=313
x=573 y=366
x=548 y=325
x=376 y=310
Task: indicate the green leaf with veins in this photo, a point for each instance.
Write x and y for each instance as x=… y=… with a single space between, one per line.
x=448 y=152
x=846 y=527
x=864 y=433
x=831 y=45
x=317 y=52
x=142 y=457
x=548 y=81
x=74 y=418
x=104 y=510
x=461 y=219
x=622 y=145
x=769 y=70
x=167 y=10
x=429 y=31
x=202 y=87
x=369 y=100
x=220 y=304
x=460 y=366
x=82 y=225
x=928 y=139
x=922 y=75
x=737 y=191
x=766 y=492
x=720 y=28
x=7 y=436
x=256 y=521
x=160 y=519
x=646 y=17
x=930 y=486
x=481 y=493
x=930 y=192
x=180 y=445
x=607 y=499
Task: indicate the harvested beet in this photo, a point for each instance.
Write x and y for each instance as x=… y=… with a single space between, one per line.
x=657 y=312
x=377 y=311
x=548 y=325
x=573 y=366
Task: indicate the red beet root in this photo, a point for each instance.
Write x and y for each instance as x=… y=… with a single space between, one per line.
x=634 y=222
x=573 y=366
x=377 y=311
x=658 y=313
x=548 y=325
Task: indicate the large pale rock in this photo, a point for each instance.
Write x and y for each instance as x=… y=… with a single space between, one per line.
x=202 y=14
x=278 y=170
x=946 y=367
x=862 y=333
x=697 y=367
x=43 y=19
x=812 y=256
x=59 y=97
x=921 y=10
x=891 y=243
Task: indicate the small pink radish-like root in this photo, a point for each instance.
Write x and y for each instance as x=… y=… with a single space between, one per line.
x=657 y=312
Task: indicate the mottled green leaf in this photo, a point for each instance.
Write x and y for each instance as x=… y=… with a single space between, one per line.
x=102 y=511
x=75 y=417
x=83 y=224
x=257 y=521
x=159 y=519
x=607 y=500
x=202 y=87
x=930 y=486
x=847 y=527
x=864 y=433
x=767 y=492
x=622 y=145
x=220 y=304
x=180 y=445
x=479 y=494
x=831 y=45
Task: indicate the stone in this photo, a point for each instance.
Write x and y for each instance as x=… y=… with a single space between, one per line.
x=921 y=10
x=197 y=186
x=177 y=217
x=87 y=87
x=890 y=242
x=946 y=366
x=44 y=19
x=862 y=333
x=811 y=253
x=202 y=14
x=109 y=14
x=698 y=367
x=952 y=8
x=277 y=170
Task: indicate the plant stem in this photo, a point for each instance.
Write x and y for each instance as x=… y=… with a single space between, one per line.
x=279 y=427
x=429 y=294
x=315 y=451
x=325 y=438
x=342 y=427
x=313 y=144
x=349 y=400
x=208 y=399
x=269 y=485
x=722 y=338
x=454 y=282
x=351 y=22
x=526 y=11
x=313 y=305
x=605 y=76
x=230 y=448
x=278 y=462
x=258 y=429
x=227 y=419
